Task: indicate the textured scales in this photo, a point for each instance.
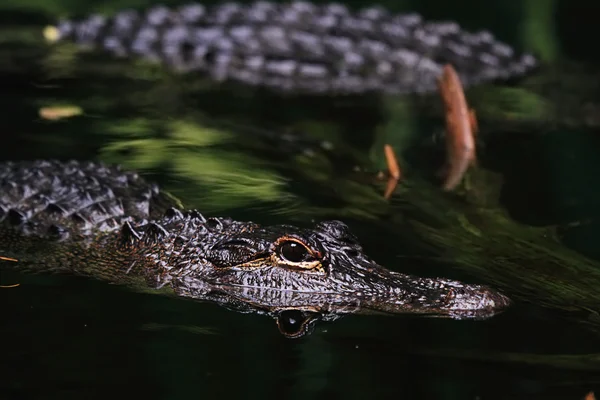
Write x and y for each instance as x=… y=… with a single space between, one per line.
x=47 y=197
x=99 y=221
x=301 y=47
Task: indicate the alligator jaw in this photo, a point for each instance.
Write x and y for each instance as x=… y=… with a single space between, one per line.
x=410 y=295
x=297 y=311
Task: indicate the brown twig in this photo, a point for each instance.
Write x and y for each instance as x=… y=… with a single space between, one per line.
x=392 y=162
x=393 y=169
x=460 y=142
x=390 y=187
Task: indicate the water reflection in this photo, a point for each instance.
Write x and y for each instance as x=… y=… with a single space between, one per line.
x=195 y=139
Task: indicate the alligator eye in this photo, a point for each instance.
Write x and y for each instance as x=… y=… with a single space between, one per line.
x=294 y=252
x=291 y=252
x=295 y=323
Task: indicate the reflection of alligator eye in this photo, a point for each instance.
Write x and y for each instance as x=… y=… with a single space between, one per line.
x=295 y=323
x=294 y=252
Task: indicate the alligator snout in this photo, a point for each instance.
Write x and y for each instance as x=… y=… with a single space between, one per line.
x=437 y=296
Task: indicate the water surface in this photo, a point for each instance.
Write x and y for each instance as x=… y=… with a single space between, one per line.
x=526 y=222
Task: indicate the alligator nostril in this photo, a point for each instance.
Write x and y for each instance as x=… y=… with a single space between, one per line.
x=295 y=323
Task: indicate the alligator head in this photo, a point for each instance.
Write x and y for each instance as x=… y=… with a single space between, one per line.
x=298 y=276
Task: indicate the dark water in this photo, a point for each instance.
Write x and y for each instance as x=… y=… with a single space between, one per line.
x=254 y=155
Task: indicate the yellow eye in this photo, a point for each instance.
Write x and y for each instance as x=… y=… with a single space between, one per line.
x=294 y=252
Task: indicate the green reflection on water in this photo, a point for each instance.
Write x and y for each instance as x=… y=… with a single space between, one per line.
x=190 y=152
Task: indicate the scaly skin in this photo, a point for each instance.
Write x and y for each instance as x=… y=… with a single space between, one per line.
x=98 y=221
x=301 y=47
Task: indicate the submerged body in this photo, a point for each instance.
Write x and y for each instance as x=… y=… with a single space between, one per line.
x=300 y=46
x=98 y=221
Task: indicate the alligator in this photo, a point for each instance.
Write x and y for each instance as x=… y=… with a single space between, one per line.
x=99 y=221
x=300 y=47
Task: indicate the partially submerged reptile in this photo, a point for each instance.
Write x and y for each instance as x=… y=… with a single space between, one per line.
x=300 y=46
x=98 y=221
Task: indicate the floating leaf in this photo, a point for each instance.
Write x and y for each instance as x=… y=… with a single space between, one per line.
x=59 y=112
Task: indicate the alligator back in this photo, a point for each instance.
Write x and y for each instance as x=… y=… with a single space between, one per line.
x=92 y=219
x=57 y=200
x=300 y=46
